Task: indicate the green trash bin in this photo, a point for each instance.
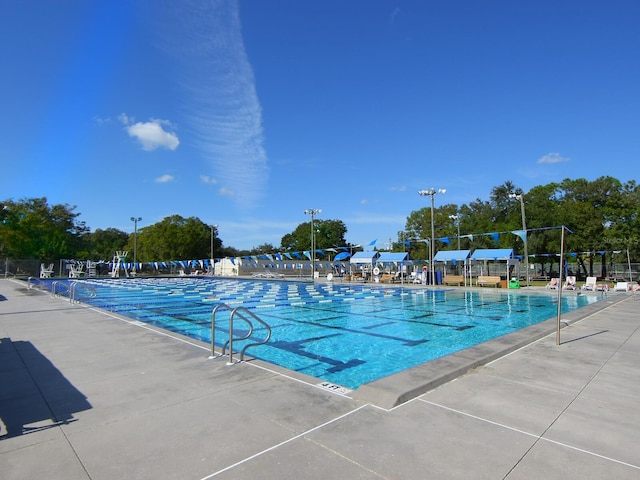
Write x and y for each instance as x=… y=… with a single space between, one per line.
x=514 y=283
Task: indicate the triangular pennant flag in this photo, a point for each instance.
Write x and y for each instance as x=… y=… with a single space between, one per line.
x=520 y=233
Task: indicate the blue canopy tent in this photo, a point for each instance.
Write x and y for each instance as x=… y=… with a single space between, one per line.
x=365 y=261
x=364 y=258
x=453 y=257
x=486 y=255
x=342 y=256
x=398 y=259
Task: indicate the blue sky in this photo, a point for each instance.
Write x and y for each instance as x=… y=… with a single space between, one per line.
x=245 y=113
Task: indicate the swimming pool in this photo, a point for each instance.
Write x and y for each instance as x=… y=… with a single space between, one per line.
x=346 y=334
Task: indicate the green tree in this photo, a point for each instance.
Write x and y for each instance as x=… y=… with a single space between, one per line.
x=32 y=229
x=328 y=234
x=262 y=249
x=174 y=238
x=104 y=243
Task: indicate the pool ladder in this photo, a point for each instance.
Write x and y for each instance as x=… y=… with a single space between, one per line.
x=243 y=314
x=72 y=289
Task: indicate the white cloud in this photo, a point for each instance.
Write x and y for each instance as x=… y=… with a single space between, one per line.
x=398 y=189
x=553 y=158
x=208 y=180
x=124 y=118
x=226 y=192
x=394 y=14
x=101 y=120
x=222 y=108
x=151 y=134
x=166 y=178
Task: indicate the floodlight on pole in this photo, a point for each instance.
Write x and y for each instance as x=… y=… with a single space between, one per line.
x=313 y=212
x=456 y=219
x=520 y=196
x=432 y=192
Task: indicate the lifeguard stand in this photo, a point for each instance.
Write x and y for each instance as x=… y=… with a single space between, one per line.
x=118 y=260
x=91 y=269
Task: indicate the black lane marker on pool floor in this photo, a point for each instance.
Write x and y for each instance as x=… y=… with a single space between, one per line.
x=297 y=347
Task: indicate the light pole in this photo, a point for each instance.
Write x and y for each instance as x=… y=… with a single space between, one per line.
x=456 y=219
x=520 y=196
x=135 y=221
x=432 y=193
x=313 y=213
x=213 y=262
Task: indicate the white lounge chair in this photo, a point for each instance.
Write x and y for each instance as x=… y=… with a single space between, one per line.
x=76 y=271
x=553 y=284
x=622 y=287
x=570 y=283
x=590 y=284
x=46 y=272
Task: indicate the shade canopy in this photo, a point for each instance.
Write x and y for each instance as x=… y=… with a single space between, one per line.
x=493 y=254
x=342 y=256
x=393 y=257
x=364 y=257
x=451 y=255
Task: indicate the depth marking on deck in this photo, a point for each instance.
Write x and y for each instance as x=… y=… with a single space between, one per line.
x=334 y=388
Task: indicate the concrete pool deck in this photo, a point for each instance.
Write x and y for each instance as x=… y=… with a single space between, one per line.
x=87 y=395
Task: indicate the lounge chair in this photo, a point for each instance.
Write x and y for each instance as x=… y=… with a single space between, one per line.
x=570 y=283
x=76 y=271
x=590 y=284
x=46 y=272
x=622 y=287
x=553 y=284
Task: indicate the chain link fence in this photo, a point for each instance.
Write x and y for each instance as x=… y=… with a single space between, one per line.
x=10 y=267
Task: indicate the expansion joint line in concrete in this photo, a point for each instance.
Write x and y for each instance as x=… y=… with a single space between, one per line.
x=289 y=440
x=537 y=437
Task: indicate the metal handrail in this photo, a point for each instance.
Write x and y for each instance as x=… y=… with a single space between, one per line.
x=230 y=341
x=220 y=306
x=72 y=291
x=54 y=284
x=258 y=319
x=239 y=311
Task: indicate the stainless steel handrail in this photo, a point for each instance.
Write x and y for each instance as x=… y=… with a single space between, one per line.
x=220 y=306
x=230 y=341
x=73 y=287
x=54 y=285
x=239 y=312
x=258 y=319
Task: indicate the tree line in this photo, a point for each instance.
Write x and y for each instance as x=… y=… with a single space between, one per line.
x=602 y=216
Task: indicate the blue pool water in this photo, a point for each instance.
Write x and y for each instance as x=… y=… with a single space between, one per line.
x=341 y=333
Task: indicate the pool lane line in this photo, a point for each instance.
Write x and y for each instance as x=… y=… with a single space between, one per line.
x=289 y=440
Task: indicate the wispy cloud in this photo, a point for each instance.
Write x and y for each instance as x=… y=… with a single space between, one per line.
x=166 y=178
x=398 y=189
x=395 y=12
x=222 y=107
x=151 y=134
x=553 y=158
x=208 y=180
